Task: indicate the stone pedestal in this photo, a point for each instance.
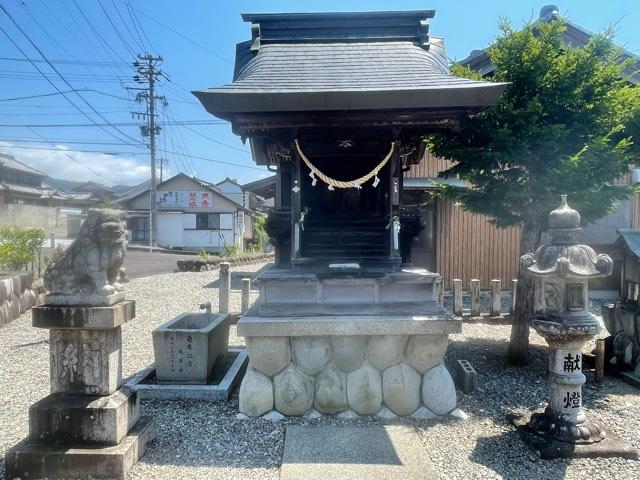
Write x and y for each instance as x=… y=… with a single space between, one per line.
x=369 y=345
x=88 y=427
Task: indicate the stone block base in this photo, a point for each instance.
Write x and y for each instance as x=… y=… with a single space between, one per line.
x=87 y=362
x=30 y=460
x=83 y=419
x=80 y=299
x=610 y=446
x=361 y=372
x=58 y=316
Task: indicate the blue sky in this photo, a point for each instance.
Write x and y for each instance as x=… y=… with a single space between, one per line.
x=61 y=31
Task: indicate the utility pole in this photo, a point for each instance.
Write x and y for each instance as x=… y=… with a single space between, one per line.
x=148 y=73
x=163 y=162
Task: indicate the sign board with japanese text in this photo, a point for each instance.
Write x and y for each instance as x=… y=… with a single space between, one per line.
x=183 y=199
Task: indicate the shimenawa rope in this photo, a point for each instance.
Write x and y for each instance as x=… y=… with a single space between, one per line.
x=332 y=182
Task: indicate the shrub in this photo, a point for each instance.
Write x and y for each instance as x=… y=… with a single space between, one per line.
x=19 y=246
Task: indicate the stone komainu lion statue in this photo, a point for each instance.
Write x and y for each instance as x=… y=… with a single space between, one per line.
x=92 y=262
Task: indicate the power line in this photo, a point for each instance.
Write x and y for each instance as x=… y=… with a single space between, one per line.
x=74 y=159
x=214 y=140
x=110 y=124
x=135 y=27
x=55 y=70
x=115 y=29
x=97 y=33
x=31 y=147
x=137 y=22
x=199 y=45
x=90 y=63
x=171 y=152
x=65 y=141
x=55 y=41
x=73 y=90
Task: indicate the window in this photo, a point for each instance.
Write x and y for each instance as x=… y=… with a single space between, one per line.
x=207 y=221
x=575 y=297
x=139 y=229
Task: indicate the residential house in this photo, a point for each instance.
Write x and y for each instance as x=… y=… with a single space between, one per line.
x=231 y=189
x=192 y=214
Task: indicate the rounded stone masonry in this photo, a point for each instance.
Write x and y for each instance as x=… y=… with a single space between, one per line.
x=14 y=306
x=438 y=390
x=331 y=391
x=311 y=354
x=256 y=394
x=384 y=351
x=364 y=390
x=401 y=389
x=269 y=355
x=348 y=352
x=425 y=351
x=293 y=391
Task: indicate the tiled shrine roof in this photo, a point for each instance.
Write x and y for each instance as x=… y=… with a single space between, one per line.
x=344 y=61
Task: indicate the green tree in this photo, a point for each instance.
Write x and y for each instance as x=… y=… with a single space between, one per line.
x=565 y=124
x=19 y=246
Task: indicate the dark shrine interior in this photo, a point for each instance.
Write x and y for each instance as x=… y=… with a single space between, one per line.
x=345 y=223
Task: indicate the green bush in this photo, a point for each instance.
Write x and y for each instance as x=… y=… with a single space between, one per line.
x=19 y=246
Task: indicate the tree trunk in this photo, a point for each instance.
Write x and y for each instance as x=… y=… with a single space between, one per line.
x=518 y=353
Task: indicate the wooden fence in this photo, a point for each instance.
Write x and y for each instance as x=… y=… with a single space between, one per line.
x=474 y=292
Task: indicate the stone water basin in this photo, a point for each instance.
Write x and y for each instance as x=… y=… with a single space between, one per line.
x=186 y=348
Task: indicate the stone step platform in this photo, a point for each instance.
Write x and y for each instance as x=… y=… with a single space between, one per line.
x=285 y=287
x=348 y=309
x=84 y=419
x=31 y=460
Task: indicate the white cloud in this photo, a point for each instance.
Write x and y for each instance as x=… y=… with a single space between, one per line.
x=98 y=167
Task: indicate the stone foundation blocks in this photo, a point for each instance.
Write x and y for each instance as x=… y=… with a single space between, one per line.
x=364 y=390
x=331 y=391
x=311 y=354
x=384 y=351
x=348 y=352
x=438 y=390
x=401 y=389
x=293 y=391
x=256 y=393
x=269 y=355
x=425 y=351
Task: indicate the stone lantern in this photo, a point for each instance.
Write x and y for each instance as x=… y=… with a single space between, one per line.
x=562 y=269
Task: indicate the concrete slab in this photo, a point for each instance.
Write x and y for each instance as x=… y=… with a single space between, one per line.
x=387 y=452
x=144 y=384
x=37 y=460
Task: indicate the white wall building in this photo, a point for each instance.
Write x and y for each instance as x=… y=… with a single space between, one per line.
x=192 y=215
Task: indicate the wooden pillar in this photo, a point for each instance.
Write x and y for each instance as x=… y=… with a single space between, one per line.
x=457 y=297
x=514 y=289
x=475 y=297
x=496 y=297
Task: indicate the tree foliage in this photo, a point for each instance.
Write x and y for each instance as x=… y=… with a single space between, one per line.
x=565 y=124
x=19 y=246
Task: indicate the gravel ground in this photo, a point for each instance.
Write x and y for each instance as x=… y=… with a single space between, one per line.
x=200 y=440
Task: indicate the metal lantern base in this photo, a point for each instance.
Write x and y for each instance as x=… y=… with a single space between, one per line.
x=554 y=440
